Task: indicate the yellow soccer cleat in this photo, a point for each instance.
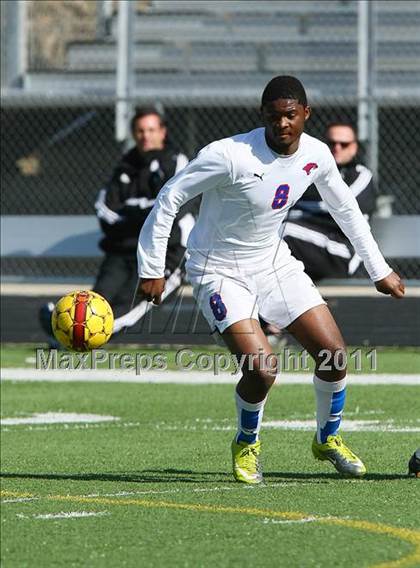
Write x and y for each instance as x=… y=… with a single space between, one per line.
x=246 y=467
x=343 y=459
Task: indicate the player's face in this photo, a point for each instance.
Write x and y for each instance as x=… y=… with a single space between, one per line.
x=343 y=144
x=149 y=134
x=284 y=121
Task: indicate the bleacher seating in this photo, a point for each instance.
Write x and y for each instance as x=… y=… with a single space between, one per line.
x=224 y=44
x=166 y=57
x=269 y=7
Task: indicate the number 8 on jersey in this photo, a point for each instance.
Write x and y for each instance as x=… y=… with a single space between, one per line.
x=281 y=196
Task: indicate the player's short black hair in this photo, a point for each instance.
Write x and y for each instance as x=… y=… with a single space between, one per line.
x=140 y=112
x=284 y=87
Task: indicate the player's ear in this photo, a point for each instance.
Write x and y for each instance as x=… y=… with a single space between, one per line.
x=308 y=111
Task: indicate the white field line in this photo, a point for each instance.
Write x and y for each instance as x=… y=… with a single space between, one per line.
x=184 y=377
x=217 y=489
x=64 y=426
x=303 y=425
x=19 y=500
x=57 y=418
x=42 y=421
x=346 y=425
x=65 y=515
x=291 y=425
x=221 y=489
x=268 y=521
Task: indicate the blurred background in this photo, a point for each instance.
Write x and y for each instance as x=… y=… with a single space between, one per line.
x=72 y=71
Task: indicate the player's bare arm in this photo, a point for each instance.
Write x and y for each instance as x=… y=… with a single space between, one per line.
x=151 y=289
x=391 y=285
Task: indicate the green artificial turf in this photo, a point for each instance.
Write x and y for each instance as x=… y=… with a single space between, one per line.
x=160 y=480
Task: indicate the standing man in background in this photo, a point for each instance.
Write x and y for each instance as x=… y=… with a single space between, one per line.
x=125 y=202
x=311 y=232
x=122 y=207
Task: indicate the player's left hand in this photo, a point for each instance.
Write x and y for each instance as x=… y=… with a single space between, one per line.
x=391 y=284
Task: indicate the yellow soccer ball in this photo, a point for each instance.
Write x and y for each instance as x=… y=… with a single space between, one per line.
x=82 y=320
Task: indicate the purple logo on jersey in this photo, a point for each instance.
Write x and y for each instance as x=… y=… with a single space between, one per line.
x=309 y=167
x=218 y=307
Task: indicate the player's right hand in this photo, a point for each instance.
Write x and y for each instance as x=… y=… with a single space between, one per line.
x=151 y=289
x=392 y=285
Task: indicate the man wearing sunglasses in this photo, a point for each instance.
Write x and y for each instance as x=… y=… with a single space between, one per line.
x=311 y=233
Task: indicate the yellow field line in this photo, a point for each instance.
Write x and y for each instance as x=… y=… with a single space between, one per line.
x=15 y=494
x=409 y=535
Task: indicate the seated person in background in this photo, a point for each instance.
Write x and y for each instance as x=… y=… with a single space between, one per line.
x=311 y=233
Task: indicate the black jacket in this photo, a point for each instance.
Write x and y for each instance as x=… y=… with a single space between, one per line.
x=311 y=211
x=126 y=200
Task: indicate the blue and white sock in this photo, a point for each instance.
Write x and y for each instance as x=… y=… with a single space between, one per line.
x=330 y=398
x=249 y=419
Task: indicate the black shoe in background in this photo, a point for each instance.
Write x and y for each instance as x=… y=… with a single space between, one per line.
x=414 y=464
x=44 y=314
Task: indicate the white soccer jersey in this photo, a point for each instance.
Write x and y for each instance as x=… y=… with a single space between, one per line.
x=247 y=190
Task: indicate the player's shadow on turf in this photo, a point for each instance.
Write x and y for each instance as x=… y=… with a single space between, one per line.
x=143 y=476
x=318 y=477
x=190 y=476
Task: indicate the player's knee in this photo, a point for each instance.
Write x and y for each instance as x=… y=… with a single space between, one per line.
x=261 y=372
x=331 y=362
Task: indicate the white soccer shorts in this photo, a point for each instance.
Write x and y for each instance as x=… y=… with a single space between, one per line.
x=278 y=294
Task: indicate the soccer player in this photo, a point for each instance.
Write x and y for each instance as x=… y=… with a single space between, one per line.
x=240 y=267
x=311 y=233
